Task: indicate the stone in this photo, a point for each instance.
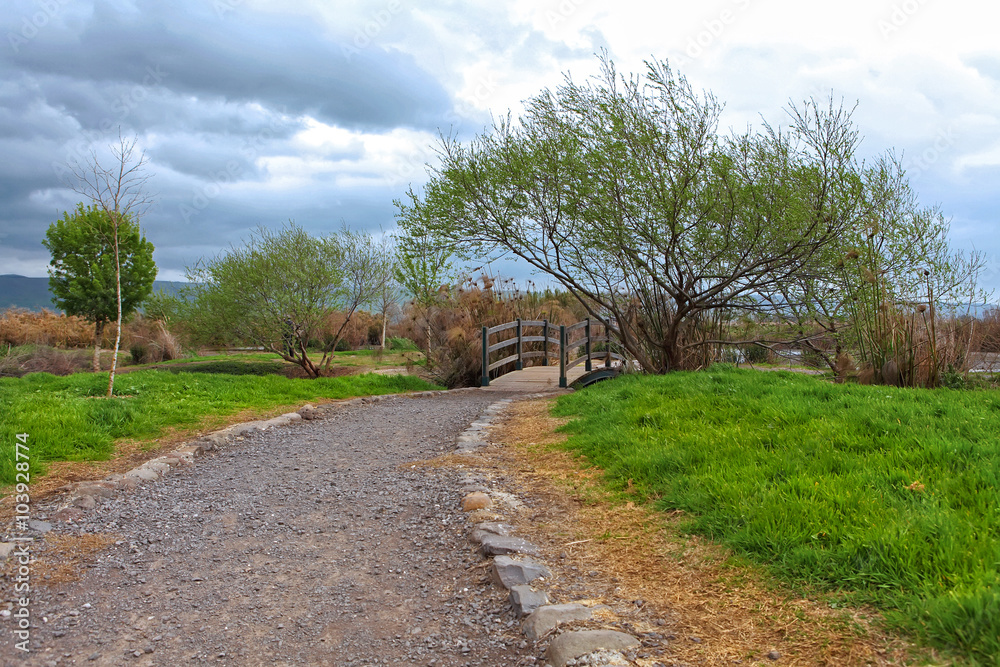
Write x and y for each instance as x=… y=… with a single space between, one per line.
x=40 y=526
x=524 y=599
x=159 y=467
x=549 y=617
x=309 y=412
x=96 y=490
x=128 y=483
x=85 y=502
x=495 y=527
x=571 y=645
x=476 y=501
x=773 y=655
x=509 y=572
x=5 y=549
x=143 y=473
x=502 y=545
x=237 y=429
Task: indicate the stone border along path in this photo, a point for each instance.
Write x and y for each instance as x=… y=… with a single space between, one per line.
x=511 y=563
x=514 y=569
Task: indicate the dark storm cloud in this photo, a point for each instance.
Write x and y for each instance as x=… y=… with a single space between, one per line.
x=237 y=55
x=211 y=87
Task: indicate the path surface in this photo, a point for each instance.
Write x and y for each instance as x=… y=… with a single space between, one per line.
x=318 y=543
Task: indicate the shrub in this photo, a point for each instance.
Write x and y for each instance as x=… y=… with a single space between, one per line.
x=21 y=360
x=989 y=331
x=24 y=327
x=401 y=344
x=755 y=354
x=149 y=342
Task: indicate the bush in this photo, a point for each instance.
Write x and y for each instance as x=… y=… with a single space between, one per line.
x=989 y=331
x=149 y=342
x=755 y=354
x=24 y=359
x=24 y=327
x=398 y=343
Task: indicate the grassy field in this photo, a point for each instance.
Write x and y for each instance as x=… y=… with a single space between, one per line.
x=67 y=419
x=887 y=496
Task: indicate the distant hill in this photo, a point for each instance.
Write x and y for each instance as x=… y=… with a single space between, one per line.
x=33 y=293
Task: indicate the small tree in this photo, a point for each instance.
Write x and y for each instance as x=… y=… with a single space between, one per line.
x=279 y=288
x=388 y=291
x=423 y=268
x=118 y=187
x=86 y=275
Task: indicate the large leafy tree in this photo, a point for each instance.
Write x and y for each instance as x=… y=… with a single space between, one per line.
x=83 y=273
x=279 y=289
x=623 y=190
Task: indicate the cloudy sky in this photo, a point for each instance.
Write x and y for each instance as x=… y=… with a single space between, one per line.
x=254 y=112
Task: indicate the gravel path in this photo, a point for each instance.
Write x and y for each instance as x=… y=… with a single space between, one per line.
x=316 y=543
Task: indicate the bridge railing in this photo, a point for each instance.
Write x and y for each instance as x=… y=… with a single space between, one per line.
x=562 y=347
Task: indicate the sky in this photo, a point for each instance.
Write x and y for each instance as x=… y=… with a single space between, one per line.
x=257 y=112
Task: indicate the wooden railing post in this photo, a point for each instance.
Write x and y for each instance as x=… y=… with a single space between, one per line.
x=586 y=331
x=519 y=364
x=545 y=342
x=562 y=355
x=486 y=358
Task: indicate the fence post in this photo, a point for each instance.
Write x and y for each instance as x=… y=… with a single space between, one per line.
x=545 y=342
x=519 y=364
x=586 y=330
x=486 y=358
x=562 y=355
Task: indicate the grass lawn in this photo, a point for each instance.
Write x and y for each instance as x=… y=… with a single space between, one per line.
x=888 y=496
x=67 y=419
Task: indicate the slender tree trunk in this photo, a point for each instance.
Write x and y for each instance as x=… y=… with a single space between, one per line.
x=118 y=333
x=98 y=335
x=384 y=319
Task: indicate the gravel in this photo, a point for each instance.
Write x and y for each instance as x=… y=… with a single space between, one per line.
x=320 y=542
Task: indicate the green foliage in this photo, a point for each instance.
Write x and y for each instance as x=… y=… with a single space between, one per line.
x=423 y=263
x=623 y=190
x=82 y=270
x=64 y=424
x=889 y=495
x=755 y=354
x=402 y=344
x=279 y=289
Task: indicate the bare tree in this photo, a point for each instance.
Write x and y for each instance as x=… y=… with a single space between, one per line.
x=388 y=290
x=117 y=185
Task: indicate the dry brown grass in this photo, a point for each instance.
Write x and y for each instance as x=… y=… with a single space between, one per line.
x=24 y=327
x=736 y=611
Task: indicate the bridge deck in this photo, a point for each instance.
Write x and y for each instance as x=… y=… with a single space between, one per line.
x=536 y=378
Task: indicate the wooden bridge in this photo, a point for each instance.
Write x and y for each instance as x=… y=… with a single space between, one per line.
x=583 y=354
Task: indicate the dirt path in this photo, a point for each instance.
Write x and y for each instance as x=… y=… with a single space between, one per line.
x=318 y=543
x=340 y=541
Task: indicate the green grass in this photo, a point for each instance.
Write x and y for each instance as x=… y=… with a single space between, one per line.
x=67 y=420
x=814 y=480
